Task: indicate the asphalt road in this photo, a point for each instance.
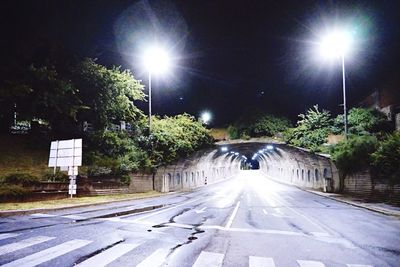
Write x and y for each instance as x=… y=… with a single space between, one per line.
x=247 y=220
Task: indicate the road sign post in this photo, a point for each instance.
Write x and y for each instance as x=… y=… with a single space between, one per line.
x=67 y=154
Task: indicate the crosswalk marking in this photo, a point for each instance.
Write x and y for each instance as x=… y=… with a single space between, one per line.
x=8 y=235
x=209 y=259
x=156 y=259
x=48 y=254
x=358 y=265
x=23 y=244
x=261 y=262
x=43 y=215
x=303 y=263
x=108 y=255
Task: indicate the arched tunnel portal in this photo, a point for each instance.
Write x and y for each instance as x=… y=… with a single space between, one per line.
x=277 y=161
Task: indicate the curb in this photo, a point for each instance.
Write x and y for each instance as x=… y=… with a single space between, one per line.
x=355 y=204
x=30 y=211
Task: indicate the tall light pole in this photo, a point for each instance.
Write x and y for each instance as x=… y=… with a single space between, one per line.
x=337 y=44
x=156 y=60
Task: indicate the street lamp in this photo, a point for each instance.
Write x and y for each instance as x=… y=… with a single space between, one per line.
x=156 y=60
x=333 y=45
x=206 y=117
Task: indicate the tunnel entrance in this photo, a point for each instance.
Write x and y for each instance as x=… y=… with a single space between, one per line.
x=250 y=164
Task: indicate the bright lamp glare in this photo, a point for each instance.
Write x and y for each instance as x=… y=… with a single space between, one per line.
x=156 y=60
x=335 y=44
x=224 y=149
x=206 y=117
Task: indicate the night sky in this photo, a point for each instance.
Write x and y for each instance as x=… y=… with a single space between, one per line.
x=230 y=57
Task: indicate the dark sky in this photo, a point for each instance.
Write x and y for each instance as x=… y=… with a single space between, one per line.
x=230 y=57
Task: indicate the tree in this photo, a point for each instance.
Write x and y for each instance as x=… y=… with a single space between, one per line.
x=109 y=93
x=176 y=137
x=312 y=129
x=361 y=121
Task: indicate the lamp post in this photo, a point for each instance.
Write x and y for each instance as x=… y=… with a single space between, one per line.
x=156 y=60
x=337 y=44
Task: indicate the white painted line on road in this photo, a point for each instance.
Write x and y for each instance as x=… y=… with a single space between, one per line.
x=310 y=263
x=74 y=217
x=9 y=235
x=164 y=210
x=209 y=259
x=261 y=262
x=180 y=225
x=156 y=259
x=265 y=212
x=245 y=230
x=319 y=234
x=108 y=255
x=43 y=215
x=358 y=265
x=230 y=221
x=24 y=244
x=48 y=254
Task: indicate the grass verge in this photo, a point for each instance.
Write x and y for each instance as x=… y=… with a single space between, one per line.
x=76 y=201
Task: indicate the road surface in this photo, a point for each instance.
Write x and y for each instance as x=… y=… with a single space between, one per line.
x=246 y=220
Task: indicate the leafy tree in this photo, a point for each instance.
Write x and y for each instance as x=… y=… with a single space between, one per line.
x=41 y=92
x=361 y=121
x=386 y=159
x=258 y=125
x=109 y=93
x=175 y=137
x=268 y=125
x=312 y=129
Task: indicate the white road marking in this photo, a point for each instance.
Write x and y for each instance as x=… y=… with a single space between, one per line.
x=108 y=255
x=245 y=230
x=43 y=215
x=24 y=244
x=319 y=234
x=358 y=265
x=209 y=259
x=265 y=212
x=310 y=263
x=9 y=235
x=48 y=254
x=261 y=262
x=201 y=210
x=74 y=217
x=230 y=221
x=156 y=259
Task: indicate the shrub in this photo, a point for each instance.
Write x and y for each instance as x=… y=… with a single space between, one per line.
x=354 y=154
x=386 y=159
x=312 y=129
x=23 y=179
x=268 y=125
x=57 y=177
x=9 y=190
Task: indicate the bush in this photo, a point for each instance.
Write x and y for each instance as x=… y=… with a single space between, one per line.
x=354 y=154
x=386 y=159
x=9 y=190
x=362 y=121
x=23 y=179
x=312 y=129
x=57 y=177
x=268 y=125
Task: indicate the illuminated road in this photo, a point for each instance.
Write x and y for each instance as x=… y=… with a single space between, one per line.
x=244 y=221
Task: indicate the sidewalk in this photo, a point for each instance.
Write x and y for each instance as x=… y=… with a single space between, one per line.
x=382 y=208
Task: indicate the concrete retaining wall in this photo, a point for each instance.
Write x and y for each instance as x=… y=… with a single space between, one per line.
x=299 y=167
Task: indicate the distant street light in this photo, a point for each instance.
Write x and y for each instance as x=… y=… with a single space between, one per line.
x=156 y=60
x=206 y=117
x=333 y=45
